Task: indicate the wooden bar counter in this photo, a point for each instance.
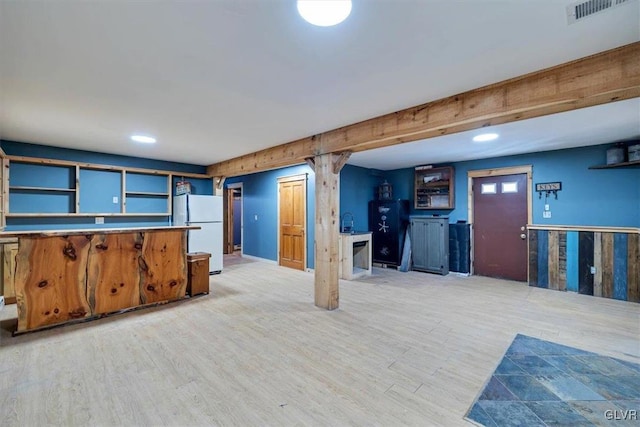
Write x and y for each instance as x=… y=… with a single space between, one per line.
x=67 y=275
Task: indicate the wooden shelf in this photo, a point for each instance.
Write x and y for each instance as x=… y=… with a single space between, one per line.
x=146 y=193
x=436 y=184
x=35 y=189
x=617 y=165
x=66 y=214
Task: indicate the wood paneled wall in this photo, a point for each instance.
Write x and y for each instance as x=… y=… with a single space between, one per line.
x=563 y=260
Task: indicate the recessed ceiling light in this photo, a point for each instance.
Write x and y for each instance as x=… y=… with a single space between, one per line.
x=324 y=13
x=144 y=139
x=485 y=137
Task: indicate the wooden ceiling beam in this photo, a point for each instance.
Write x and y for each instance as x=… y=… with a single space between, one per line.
x=608 y=76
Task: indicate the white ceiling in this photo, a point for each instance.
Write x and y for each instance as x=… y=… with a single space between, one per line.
x=602 y=124
x=213 y=80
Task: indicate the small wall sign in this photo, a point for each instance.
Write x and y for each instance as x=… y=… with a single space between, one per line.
x=183 y=187
x=549 y=186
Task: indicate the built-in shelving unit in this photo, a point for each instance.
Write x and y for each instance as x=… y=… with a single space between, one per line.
x=69 y=189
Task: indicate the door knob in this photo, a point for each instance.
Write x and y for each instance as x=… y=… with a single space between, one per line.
x=523 y=236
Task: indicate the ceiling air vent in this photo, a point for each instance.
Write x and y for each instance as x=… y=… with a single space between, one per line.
x=578 y=11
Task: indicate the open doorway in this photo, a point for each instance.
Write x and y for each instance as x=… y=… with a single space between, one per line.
x=233 y=226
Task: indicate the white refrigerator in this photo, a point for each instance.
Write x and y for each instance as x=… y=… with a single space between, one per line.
x=206 y=213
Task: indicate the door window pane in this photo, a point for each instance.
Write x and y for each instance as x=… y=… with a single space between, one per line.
x=489 y=188
x=509 y=187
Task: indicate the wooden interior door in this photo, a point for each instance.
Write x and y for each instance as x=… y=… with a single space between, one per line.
x=293 y=218
x=500 y=214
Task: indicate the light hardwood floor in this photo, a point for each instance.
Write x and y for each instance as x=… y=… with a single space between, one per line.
x=403 y=349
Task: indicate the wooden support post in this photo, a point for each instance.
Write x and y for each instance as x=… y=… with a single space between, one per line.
x=326 y=232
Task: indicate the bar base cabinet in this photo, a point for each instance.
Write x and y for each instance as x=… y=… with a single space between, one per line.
x=198 y=272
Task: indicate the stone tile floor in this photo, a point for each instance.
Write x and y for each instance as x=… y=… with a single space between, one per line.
x=540 y=383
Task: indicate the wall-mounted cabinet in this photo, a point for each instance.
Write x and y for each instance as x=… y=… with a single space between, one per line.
x=434 y=187
x=57 y=188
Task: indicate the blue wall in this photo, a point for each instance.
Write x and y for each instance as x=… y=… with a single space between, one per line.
x=609 y=197
x=97 y=188
x=260 y=194
x=357 y=187
x=260 y=198
x=589 y=197
x=13 y=148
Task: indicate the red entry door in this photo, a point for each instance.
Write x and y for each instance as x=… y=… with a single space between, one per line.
x=499 y=220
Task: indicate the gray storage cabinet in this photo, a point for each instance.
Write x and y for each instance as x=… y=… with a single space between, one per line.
x=430 y=244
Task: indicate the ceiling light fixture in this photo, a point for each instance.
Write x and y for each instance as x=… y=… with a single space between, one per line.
x=324 y=13
x=144 y=139
x=485 y=137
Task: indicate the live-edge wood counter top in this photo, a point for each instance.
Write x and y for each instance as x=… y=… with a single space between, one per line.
x=67 y=275
x=85 y=231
